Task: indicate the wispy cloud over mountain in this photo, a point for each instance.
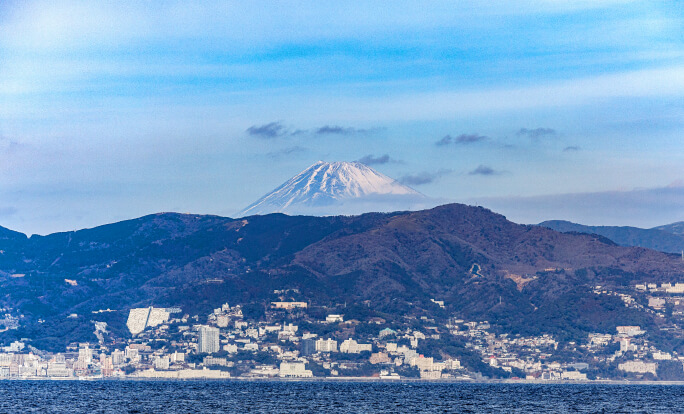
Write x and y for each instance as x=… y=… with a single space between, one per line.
x=461 y=139
x=7 y=211
x=270 y=130
x=424 y=177
x=278 y=129
x=338 y=130
x=287 y=151
x=484 y=170
x=8 y=145
x=372 y=160
x=537 y=133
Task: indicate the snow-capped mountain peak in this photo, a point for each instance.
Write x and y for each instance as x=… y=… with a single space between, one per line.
x=324 y=187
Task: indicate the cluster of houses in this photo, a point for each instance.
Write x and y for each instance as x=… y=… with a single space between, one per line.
x=166 y=343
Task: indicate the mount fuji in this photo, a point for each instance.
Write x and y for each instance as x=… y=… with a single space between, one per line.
x=337 y=188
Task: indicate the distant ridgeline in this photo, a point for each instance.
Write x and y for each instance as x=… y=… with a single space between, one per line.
x=667 y=238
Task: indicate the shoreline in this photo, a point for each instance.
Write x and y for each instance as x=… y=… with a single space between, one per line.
x=348 y=379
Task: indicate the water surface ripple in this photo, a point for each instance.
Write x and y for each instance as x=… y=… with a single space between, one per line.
x=338 y=397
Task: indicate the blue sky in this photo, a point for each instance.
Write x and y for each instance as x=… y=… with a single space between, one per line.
x=112 y=110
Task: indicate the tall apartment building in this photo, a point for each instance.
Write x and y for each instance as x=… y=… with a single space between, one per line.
x=106 y=365
x=132 y=354
x=117 y=357
x=308 y=347
x=208 y=340
x=85 y=355
x=161 y=362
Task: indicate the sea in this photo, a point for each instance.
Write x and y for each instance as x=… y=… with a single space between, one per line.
x=333 y=397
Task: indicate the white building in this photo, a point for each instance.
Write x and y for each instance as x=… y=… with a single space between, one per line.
x=288 y=305
x=677 y=288
x=161 y=362
x=352 y=347
x=141 y=318
x=422 y=363
x=58 y=368
x=177 y=357
x=85 y=355
x=157 y=317
x=626 y=346
x=131 y=354
x=573 y=376
x=137 y=320
x=452 y=364
x=231 y=348
x=294 y=370
x=334 y=318
x=629 y=330
x=430 y=375
x=117 y=357
x=640 y=367
x=598 y=339
x=326 y=345
x=662 y=356
x=208 y=340
x=210 y=360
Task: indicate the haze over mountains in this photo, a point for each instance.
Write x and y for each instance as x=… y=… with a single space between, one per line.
x=338 y=188
x=666 y=238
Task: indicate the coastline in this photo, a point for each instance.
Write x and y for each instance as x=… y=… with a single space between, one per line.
x=346 y=379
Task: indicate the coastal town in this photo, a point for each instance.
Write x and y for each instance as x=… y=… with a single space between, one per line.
x=287 y=342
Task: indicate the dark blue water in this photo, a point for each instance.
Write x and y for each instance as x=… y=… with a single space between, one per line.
x=338 y=397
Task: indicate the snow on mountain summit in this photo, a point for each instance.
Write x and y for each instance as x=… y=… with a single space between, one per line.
x=333 y=188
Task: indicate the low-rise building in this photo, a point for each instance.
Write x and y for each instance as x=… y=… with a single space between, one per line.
x=288 y=305
x=662 y=356
x=656 y=303
x=629 y=330
x=640 y=367
x=350 y=346
x=334 y=318
x=573 y=376
x=380 y=358
x=294 y=370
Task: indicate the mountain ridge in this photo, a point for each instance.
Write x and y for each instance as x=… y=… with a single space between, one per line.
x=524 y=278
